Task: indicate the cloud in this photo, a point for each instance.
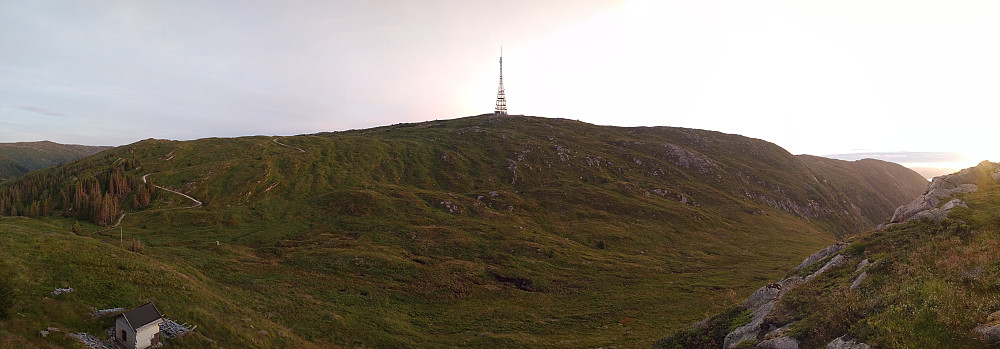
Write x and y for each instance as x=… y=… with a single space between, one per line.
x=41 y=110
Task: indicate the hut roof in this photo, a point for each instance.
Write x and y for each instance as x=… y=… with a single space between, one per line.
x=142 y=315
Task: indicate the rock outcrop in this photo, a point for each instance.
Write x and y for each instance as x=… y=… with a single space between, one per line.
x=816 y=257
x=942 y=188
x=990 y=331
x=762 y=301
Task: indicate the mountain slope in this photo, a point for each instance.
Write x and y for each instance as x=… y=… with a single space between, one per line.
x=16 y=159
x=480 y=231
x=10 y=169
x=873 y=188
x=38 y=257
x=927 y=281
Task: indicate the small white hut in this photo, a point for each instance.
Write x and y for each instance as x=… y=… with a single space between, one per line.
x=139 y=328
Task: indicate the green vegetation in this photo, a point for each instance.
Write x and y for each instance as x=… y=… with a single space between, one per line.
x=710 y=333
x=481 y=231
x=10 y=169
x=7 y=295
x=929 y=284
x=812 y=268
x=39 y=155
x=17 y=159
x=40 y=257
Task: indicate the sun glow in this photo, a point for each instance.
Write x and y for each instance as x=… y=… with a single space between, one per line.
x=811 y=80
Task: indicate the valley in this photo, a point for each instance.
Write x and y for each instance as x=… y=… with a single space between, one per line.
x=474 y=232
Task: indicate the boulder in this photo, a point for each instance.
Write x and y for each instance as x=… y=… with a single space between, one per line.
x=990 y=331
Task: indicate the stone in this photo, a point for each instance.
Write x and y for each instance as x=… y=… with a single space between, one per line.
x=862 y=264
x=857 y=280
x=833 y=262
x=778 y=332
x=995 y=317
x=954 y=203
x=846 y=342
x=59 y=291
x=826 y=252
x=779 y=343
x=990 y=331
x=762 y=301
x=750 y=330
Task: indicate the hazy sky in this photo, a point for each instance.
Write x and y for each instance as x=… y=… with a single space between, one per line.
x=908 y=78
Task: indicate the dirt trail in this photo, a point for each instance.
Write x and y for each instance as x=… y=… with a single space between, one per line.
x=196 y=202
x=286 y=145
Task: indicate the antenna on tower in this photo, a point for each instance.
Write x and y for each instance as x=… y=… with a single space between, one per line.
x=501 y=109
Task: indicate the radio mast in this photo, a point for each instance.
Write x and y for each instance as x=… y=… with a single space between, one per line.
x=501 y=109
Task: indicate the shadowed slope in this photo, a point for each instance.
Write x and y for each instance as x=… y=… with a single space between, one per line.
x=873 y=187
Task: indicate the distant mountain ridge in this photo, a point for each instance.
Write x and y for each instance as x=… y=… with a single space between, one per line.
x=19 y=158
x=873 y=187
x=481 y=231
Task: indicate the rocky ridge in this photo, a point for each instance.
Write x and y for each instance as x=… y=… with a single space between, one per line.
x=942 y=188
x=763 y=300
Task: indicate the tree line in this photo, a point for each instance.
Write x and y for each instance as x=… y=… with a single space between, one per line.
x=97 y=193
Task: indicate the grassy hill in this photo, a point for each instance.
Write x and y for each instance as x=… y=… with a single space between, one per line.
x=39 y=257
x=480 y=231
x=16 y=159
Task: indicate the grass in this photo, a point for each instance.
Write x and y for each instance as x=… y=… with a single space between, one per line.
x=929 y=285
x=42 y=257
x=496 y=232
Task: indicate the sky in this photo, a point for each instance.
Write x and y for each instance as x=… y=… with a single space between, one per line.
x=915 y=82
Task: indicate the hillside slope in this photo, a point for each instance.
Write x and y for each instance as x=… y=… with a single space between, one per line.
x=37 y=257
x=16 y=159
x=480 y=231
x=10 y=169
x=873 y=188
x=929 y=280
